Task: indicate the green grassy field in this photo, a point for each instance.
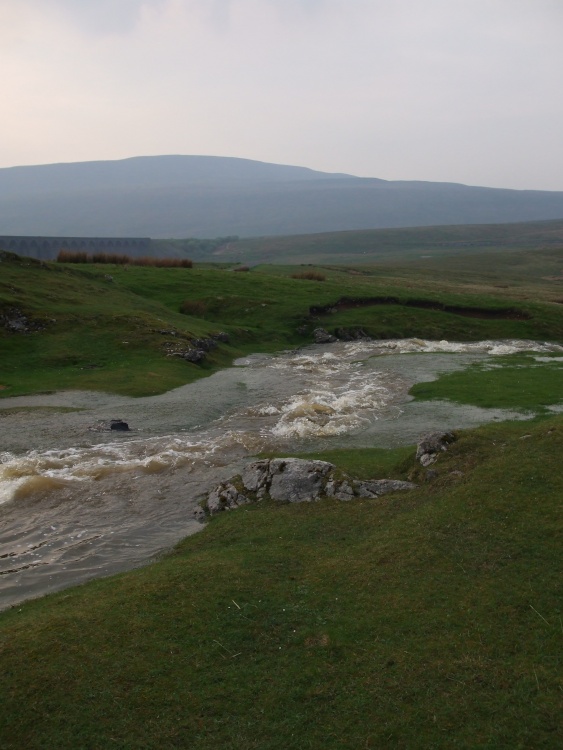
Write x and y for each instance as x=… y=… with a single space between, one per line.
x=389 y=245
x=424 y=619
x=112 y=328
x=427 y=619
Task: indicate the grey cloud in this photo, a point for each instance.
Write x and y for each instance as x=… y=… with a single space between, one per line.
x=101 y=16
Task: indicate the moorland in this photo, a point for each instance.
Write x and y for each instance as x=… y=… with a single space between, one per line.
x=210 y=196
x=422 y=619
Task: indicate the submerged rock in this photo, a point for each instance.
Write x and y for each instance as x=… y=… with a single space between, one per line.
x=116 y=425
x=119 y=425
x=292 y=480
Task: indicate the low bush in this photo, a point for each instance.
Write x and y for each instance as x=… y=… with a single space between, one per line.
x=71 y=256
x=163 y=262
x=195 y=307
x=309 y=276
x=68 y=256
x=114 y=258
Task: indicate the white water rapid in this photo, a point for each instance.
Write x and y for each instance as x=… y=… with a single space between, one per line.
x=76 y=503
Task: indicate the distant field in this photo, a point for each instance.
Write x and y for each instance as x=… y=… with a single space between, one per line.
x=377 y=245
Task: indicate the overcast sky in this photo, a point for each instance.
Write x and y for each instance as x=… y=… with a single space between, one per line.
x=444 y=90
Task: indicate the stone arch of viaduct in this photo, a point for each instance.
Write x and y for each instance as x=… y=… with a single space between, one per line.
x=47 y=248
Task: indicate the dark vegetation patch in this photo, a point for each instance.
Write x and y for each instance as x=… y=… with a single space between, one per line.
x=70 y=256
x=196 y=307
x=347 y=303
x=309 y=276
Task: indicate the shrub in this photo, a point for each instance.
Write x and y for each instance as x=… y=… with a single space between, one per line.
x=195 y=307
x=72 y=256
x=309 y=275
x=163 y=262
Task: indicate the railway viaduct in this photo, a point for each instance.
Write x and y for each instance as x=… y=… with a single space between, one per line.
x=47 y=248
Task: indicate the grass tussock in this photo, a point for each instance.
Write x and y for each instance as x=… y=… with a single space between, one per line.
x=309 y=276
x=120 y=259
x=195 y=307
x=163 y=262
x=70 y=256
x=117 y=259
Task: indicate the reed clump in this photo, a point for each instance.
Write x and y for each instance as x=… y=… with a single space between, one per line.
x=70 y=256
x=195 y=307
x=116 y=259
x=309 y=276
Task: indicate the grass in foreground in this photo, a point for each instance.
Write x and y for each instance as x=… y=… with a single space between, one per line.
x=423 y=619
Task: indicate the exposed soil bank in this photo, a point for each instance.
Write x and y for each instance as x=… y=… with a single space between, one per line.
x=485 y=313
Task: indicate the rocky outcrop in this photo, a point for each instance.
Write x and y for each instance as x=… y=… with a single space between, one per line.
x=351 y=334
x=431 y=445
x=15 y=321
x=221 y=336
x=292 y=480
x=192 y=355
x=198 y=348
x=321 y=336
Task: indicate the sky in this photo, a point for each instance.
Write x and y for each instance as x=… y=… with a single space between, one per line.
x=466 y=91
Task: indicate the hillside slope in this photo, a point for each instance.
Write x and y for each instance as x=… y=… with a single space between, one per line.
x=187 y=196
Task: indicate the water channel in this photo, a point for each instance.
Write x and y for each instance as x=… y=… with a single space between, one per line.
x=77 y=502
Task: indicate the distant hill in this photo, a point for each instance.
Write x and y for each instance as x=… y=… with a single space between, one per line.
x=207 y=196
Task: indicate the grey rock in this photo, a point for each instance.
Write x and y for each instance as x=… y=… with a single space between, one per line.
x=294 y=480
x=115 y=425
x=431 y=445
x=193 y=355
x=321 y=336
x=119 y=425
x=221 y=336
x=200 y=514
x=206 y=344
x=225 y=497
x=351 y=334
x=255 y=475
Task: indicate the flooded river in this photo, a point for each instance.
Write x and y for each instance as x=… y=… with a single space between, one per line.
x=77 y=502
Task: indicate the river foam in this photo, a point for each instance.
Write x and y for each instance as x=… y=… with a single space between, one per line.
x=79 y=503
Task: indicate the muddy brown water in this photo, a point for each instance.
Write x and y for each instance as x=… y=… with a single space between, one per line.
x=77 y=503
